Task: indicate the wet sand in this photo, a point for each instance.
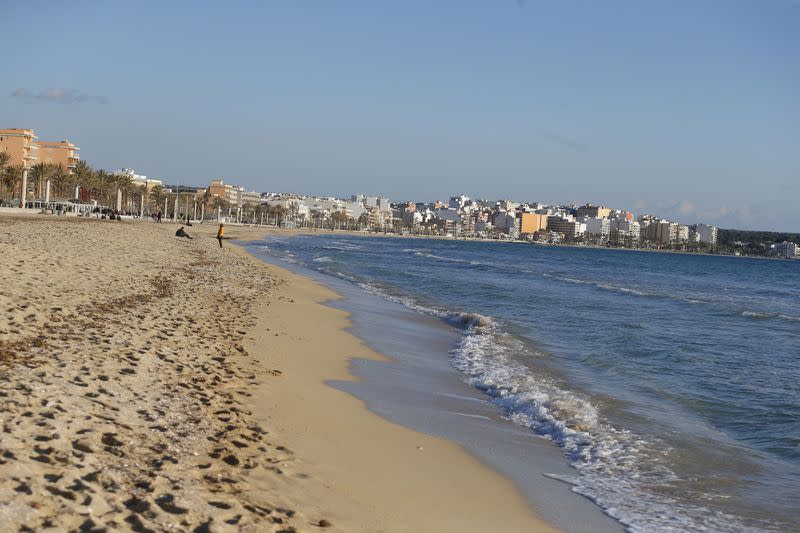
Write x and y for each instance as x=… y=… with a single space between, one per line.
x=151 y=382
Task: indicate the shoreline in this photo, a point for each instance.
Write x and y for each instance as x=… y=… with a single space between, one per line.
x=373 y=474
x=137 y=394
x=419 y=389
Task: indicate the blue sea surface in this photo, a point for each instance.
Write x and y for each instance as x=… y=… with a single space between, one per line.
x=671 y=382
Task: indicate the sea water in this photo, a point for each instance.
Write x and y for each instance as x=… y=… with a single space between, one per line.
x=670 y=383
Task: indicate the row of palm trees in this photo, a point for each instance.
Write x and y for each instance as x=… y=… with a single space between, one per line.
x=103 y=186
x=99 y=185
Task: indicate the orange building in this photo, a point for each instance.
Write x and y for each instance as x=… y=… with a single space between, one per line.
x=220 y=189
x=593 y=211
x=21 y=145
x=532 y=222
x=58 y=153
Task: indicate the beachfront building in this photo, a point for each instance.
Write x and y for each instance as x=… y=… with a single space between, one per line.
x=507 y=205
x=593 y=211
x=235 y=195
x=353 y=210
x=458 y=202
x=138 y=179
x=530 y=223
x=21 y=146
x=220 y=189
x=62 y=153
x=378 y=202
x=785 y=249
x=682 y=234
x=599 y=228
x=565 y=225
x=379 y=219
x=413 y=219
x=243 y=196
x=621 y=214
x=624 y=232
x=706 y=234
x=662 y=232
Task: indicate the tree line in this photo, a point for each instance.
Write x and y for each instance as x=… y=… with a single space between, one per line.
x=93 y=184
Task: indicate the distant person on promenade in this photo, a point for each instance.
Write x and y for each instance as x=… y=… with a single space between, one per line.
x=220 y=234
x=181 y=233
x=158 y=216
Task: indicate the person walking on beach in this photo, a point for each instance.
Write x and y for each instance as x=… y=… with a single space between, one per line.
x=220 y=234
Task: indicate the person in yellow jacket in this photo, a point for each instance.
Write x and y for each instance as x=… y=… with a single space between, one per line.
x=220 y=234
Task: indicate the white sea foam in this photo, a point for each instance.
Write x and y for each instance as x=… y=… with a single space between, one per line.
x=765 y=316
x=340 y=246
x=421 y=252
x=323 y=259
x=627 y=290
x=614 y=467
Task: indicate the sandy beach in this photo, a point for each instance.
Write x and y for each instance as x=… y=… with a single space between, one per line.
x=157 y=383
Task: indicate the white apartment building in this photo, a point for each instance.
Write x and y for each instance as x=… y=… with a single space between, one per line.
x=138 y=179
x=506 y=222
x=682 y=233
x=626 y=230
x=706 y=234
x=786 y=249
x=458 y=202
x=599 y=227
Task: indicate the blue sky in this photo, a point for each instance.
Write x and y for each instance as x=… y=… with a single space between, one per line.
x=685 y=109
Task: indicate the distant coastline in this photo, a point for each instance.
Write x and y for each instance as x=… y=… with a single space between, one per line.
x=328 y=231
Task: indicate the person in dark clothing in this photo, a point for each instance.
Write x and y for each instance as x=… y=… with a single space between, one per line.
x=181 y=233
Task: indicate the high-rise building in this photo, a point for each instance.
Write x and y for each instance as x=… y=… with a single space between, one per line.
x=532 y=222
x=598 y=227
x=21 y=146
x=565 y=225
x=458 y=202
x=593 y=211
x=62 y=153
x=706 y=234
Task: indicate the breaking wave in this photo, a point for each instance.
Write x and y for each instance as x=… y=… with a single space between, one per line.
x=617 y=469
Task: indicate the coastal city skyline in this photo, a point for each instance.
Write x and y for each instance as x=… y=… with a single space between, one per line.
x=53 y=177
x=457 y=215
x=679 y=109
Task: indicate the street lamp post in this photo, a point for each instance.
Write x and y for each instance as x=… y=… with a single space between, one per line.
x=24 y=191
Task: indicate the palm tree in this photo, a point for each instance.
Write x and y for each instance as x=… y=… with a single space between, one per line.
x=5 y=159
x=59 y=177
x=280 y=214
x=40 y=172
x=363 y=220
x=82 y=176
x=157 y=196
x=124 y=183
x=11 y=177
x=206 y=197
x=219 y=204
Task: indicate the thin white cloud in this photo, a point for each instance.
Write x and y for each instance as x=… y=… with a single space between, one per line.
x=565 y=141
x=60 y=96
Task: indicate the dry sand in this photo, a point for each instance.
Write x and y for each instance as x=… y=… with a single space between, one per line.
x=155 y=383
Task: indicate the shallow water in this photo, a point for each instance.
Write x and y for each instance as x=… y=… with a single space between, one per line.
x=668 y=382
